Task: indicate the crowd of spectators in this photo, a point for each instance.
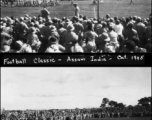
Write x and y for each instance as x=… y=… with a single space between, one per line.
x=28 y=3
x=77 y=114
x=76 y=35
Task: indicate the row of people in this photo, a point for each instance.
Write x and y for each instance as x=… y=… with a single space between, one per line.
x=29 y=3
x=76 y=114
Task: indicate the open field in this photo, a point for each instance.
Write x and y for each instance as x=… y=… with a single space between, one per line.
x=137 y=118
x=113 y=7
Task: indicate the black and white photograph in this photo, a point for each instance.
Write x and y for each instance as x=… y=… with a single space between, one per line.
x=75 y=26
x=76 y=93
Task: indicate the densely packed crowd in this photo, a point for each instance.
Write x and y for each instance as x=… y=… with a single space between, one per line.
x=29 y=3
x=76 y=114
x=43 y=34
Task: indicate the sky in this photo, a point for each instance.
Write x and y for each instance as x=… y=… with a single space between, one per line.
x=68 y=88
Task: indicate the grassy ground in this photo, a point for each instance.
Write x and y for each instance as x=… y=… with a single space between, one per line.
x=144 y=118
x=113 y=7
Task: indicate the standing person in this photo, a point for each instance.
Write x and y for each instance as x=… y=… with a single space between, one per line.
x=140 y=28
x=22 y=2
x=90 y=35
x=71 y=2
x=31 y=3
x=57 y=2
x=130 y=32
x=12 y=3
x=113 y=36
x=78 y=27
x=44 y=2
x=19 y=3
x=131 y=2
x=34 y=3
x=102 y=41
x=61 y=32
x=68 y=37
x=5 y=3
x=45 y=13
x=118 y=28
x=77 y=10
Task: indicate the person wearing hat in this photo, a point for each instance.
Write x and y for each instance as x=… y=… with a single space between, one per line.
x=104 y=27
x=108 y=17
x=140 y=28
x=61 y=32
x=53 y=46
x=45 y=13
x=45 y=32
x=55 y=22
x=90 y=34
x=77 y=10
x=76 y=48
x=130 y=32
x=51 y=30
x=69 y=36
x=78 y=26
x=32 y=38
x=102 y=41
x=97 y=28
x=21 y=29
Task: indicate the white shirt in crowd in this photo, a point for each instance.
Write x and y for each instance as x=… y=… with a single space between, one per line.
x=118 y=29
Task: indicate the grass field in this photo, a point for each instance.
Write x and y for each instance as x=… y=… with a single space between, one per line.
x=113 y=7
x=144 y=118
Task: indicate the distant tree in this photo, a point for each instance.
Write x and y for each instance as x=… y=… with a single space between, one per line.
x=146 y=101
x=105 y=101
x=102 y=105
x=130 y=106
x=120 y=105
x=113 y=103
x=137 y=106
